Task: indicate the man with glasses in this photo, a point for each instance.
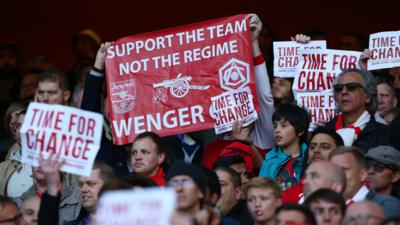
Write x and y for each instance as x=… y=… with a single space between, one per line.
x=190 y=186
x=363 y=213
x=9 y=212
x=356 y=96
x=383 y=168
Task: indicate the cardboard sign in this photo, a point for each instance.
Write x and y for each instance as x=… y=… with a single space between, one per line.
x=385 y=49
x=55 y=129
x=165 y=81
x=138 y=207
x=314 y=78
x=286 y=56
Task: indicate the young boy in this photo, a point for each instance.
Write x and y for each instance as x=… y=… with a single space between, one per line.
x=284 y=163
x=263 y=198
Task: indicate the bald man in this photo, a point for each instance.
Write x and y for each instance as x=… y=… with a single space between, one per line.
x=323 y=174
x=364 y=212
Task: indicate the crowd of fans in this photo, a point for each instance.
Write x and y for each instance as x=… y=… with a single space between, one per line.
x=274 y=171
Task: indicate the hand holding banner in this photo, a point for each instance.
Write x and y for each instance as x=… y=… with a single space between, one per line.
x=286 y=55
x=55 y=129
x=385 y=50
x=165 y=81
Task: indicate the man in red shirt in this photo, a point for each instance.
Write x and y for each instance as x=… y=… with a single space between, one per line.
x=147 y=156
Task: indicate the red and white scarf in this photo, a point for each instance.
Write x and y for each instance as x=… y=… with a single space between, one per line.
x=352 y=132
x=359 y=196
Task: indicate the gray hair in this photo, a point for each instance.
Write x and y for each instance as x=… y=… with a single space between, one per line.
x=369 y=84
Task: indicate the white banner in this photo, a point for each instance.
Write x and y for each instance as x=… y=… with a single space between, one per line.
x=385 y=49
x=55 y=129
x=314 y=78
x=232 y=106
x=286 y=56
x=138 y=207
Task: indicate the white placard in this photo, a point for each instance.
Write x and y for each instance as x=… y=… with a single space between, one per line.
x=313 y=83
x=136 y=207
x=73 y=133
x=286 y=56
x=385 y=49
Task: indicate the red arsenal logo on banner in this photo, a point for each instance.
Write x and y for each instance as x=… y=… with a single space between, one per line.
x=182 y=79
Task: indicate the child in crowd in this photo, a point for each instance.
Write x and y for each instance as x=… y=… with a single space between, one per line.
x=284 y=163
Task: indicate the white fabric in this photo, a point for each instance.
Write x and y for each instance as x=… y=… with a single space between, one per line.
x=379 y=119
x=360 y=195
x=301 y=200
x=348 y=134
x=263 y=134
x=19 y=181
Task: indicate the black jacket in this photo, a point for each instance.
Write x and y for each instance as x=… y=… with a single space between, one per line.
x=373 y=135
x=113 y=155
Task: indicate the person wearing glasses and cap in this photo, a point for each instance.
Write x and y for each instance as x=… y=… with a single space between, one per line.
x=383 y=169
x=356 y=96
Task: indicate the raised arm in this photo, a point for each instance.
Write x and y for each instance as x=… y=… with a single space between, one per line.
x=363 y=60
x=91 y=99
x=262 y=135
x=49 y=207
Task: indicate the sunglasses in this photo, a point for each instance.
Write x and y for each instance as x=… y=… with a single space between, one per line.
x=378 y=166
x=349 y=86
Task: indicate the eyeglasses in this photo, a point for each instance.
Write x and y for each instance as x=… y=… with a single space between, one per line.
x=349 y=86
x=378 y=166
x=185 y=183
x=15 y=219
x=360 y=219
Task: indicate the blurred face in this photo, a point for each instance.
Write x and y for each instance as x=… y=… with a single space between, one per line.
x=395 y=72
x=363 y=214
x=229 y=193
x=326 y=213
x=387 y=99
x=262 y=204
x=13 y=123
x=321 y=145
x=28 y=85
x=290 y=216
x=38 y=174
x=90 y=187
x=281 y=88
x=10 y=215
x=241 y=169
x=145 y=158
x=355 y=176
x=350 y=43
x=380 y=176
x=85 y=48
x=30 y=210
x=18 y=125
x=189 y=195
x=318 y=175
x=8 y=59
x=51 y=93
x=285 y=134
x=351 y=99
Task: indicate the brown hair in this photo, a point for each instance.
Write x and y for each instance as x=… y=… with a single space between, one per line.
x=262 y=182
